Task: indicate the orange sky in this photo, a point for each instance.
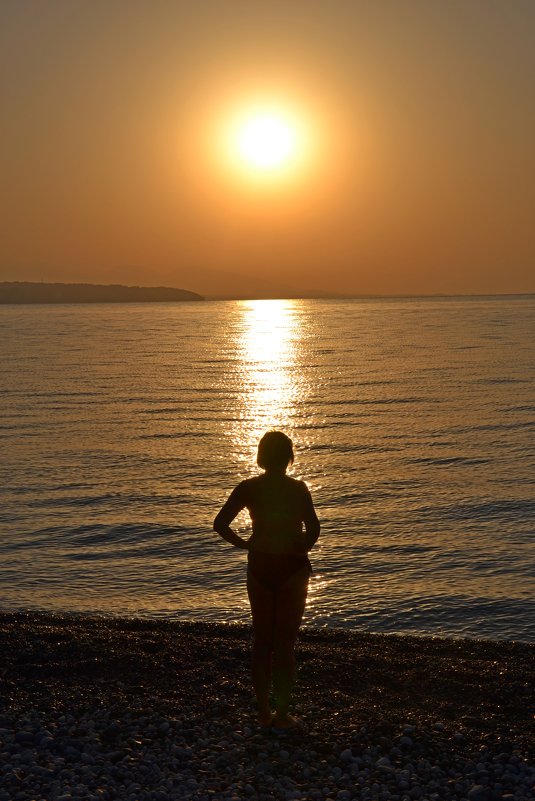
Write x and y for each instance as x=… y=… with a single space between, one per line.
x=419 y=175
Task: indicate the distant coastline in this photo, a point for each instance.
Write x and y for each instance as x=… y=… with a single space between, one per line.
x=36 y=292
x=372 y=297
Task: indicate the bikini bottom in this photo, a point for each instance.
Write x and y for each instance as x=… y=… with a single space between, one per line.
x=273 y=570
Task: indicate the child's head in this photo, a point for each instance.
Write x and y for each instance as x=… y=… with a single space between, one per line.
x=275 y=451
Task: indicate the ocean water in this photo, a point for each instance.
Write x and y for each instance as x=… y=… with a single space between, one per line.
x=124 y=427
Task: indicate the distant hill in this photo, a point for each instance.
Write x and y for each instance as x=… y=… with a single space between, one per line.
x=34 y=292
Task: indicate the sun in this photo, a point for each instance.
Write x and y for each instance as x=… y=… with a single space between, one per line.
x=264 y=145
x=266 y=141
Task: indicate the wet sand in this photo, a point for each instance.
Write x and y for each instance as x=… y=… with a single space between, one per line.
x=124 y=708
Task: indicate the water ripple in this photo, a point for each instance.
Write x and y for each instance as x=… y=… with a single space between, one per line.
x=123 y=429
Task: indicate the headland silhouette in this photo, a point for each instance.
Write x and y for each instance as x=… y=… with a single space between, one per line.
x=36 y=292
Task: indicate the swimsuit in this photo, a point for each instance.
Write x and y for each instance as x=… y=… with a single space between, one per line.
x=272 y=570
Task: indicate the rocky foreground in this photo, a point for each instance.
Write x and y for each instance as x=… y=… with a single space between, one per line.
x=99 y=708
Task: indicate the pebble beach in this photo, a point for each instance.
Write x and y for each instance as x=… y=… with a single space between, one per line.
x=100 y=708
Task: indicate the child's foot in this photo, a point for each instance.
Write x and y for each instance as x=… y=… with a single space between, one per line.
x=284 y=721
x=265 y=718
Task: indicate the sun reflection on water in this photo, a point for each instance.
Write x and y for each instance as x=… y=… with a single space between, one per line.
x=273 y=390
x=269 y=342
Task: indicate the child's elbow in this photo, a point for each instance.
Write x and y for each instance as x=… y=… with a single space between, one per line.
x=220 y=524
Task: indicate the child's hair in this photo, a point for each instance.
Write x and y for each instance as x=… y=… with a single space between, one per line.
x=275 y=449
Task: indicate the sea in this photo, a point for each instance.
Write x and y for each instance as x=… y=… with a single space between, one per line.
x=124 y=427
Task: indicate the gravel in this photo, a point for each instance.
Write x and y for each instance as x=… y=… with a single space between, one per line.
x=107 y=708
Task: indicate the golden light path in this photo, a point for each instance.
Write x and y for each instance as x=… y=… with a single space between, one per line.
x=269 y=338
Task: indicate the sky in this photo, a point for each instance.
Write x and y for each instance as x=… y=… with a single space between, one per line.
x=413 y=170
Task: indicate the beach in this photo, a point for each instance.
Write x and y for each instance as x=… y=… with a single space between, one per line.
x=147 y=710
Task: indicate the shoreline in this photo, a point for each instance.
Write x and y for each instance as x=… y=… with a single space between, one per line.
x=92 y=616
x=104 y=703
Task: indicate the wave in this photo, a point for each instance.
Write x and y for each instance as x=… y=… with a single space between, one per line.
x=447 y=461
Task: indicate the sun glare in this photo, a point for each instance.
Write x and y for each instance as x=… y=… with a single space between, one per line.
x=265 y=144
x=266 y=141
